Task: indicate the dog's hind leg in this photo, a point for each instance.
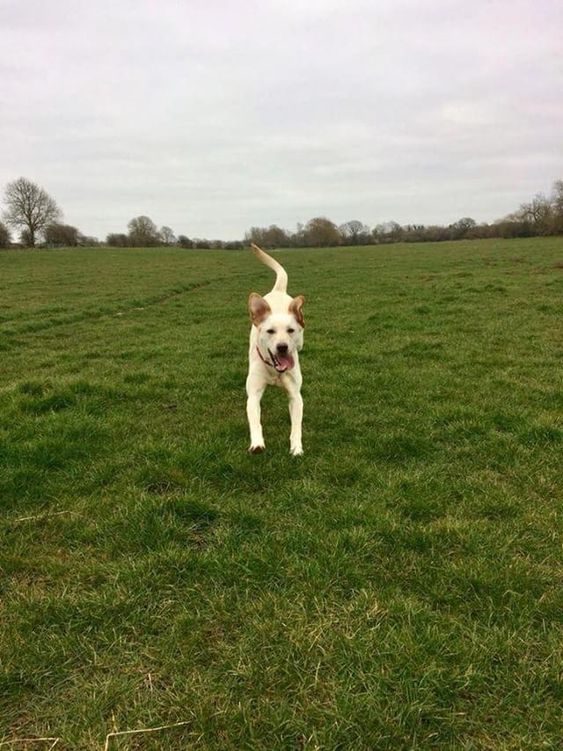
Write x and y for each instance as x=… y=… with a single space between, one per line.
x=254 y=393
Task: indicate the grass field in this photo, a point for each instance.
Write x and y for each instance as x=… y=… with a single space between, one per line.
x=398 y=587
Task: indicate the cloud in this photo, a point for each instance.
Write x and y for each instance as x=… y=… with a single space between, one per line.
x=214 y=116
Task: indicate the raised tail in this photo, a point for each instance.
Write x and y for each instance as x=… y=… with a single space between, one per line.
x=281 y=275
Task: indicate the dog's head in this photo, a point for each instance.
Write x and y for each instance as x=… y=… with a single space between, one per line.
x=279 y=334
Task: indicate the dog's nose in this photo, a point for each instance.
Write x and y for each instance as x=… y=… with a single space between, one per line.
x=282 y=349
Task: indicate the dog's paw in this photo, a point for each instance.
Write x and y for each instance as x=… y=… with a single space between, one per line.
x=258 y=449
x=296 y=451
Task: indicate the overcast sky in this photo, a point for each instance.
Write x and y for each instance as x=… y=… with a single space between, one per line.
x=214 y=115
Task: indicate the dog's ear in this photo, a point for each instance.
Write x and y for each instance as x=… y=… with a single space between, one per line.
x=258 y=308
x=296 y=309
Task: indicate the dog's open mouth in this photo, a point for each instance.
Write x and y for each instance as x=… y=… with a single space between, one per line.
x=282 y=362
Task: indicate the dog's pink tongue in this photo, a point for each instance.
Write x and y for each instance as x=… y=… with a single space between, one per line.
x=285 y=362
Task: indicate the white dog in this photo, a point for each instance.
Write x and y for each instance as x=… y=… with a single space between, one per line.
x=275 y=340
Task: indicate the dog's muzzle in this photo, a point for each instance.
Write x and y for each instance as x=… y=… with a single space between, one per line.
x=280 y=363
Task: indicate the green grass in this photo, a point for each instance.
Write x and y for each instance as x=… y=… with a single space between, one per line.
x=396 y=588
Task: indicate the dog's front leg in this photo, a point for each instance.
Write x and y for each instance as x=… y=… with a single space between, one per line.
x=254 y=392
x=296 y=415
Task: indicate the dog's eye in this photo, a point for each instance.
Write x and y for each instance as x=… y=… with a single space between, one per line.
x=270 y=331
x=290 y=331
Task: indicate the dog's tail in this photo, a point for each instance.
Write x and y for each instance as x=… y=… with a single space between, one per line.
x=281 y=275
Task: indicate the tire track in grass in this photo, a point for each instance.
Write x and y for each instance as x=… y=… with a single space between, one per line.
x=9 y=342
x=96 y=314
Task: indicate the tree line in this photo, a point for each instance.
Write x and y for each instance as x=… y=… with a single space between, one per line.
x=35 y=217
x=143 y=233
x=543 y=215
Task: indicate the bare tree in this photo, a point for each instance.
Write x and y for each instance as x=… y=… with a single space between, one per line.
x=388 y=232
x=460 y=228
x=200 y=242
x=557 y=207
x=537 y=213
x=143 y=232
x=557 y=196
x=25 y=238
x=255 y=235
x=61 y=234
x=87 y=241
x=298 y=238
x=167 y=237
x=117 y=240
x=184 y=241
x=29 y=208
x=268 y=237
x=321 y=231
x=4 y=236
x=354 y=232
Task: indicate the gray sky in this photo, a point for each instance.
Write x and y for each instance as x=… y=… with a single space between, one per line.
x=211 y=116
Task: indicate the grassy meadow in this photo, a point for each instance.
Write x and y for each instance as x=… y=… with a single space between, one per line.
x=397 y=587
